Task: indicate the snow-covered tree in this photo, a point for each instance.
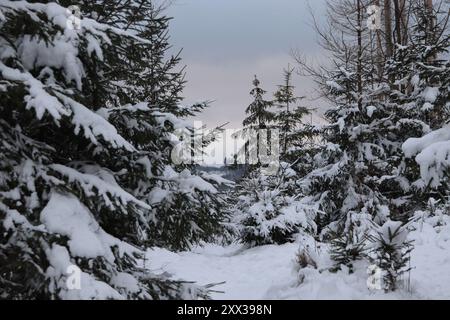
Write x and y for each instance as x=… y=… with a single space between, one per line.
x=186 y=204
x=63 y=202
x=357 y=143
x=266 y=211
x=432 y=154
x=290 y=116
x=361 y=168
x=265 y=208
x=421 y=92
x=259 y=117
x=159 y=78
x=391 y=253
x=258 y=114
x=346 y=248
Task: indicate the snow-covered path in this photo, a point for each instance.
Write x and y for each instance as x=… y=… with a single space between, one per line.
x=268 y=272
x=249 y=274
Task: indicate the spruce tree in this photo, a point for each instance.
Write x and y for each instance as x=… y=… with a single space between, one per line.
x=391 y=253
x=259 y=118
x=346 y=248
x=354 y=155
x=290 y=116
x=345 y=178
x=422 y=95
x=266 y=208
x=63 y=200
x=258 y=114
x=186 y=204
x=355 y=181
x=361 y=175
x=266 y=212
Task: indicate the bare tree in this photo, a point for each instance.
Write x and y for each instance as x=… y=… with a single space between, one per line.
x=349 y=43
x=388 y=28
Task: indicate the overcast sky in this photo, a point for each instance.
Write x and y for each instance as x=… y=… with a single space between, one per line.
x=226 y=42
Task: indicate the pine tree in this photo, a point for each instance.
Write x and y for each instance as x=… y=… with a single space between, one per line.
x=422 y=93
x=420 y=98
x=63 y=201
x=352 y=157
x=159 y=79
x=266 y=209
x=391 y=253
x=186 y=204
x=346 y=248
x=357 y=144
x=266 y=213
x=259 y=118
x=361 y=174
x=289 y=119
x=361 y=160
x=258 y=113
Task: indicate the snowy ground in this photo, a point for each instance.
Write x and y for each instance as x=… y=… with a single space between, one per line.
x=268 y=272
x=248 y=274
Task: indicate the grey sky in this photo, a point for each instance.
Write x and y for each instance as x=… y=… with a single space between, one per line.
x=226 y=42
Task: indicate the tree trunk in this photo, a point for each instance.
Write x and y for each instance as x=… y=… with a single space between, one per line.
x=380 y=57
x=404 y=21
x=431 y=24
x=429 y=11
x=359 y=62
x=388 y=28
x=398 y=22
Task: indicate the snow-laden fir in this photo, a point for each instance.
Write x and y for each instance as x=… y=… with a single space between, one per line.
x=91 y=116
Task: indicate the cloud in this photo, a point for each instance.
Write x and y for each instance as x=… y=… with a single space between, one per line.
x=227 y=42
x=230 y=29
x=228 y=84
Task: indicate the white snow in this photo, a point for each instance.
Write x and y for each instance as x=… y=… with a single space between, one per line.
x=59 y=105
x=38 y=98
x=158 y=195
x=178 y=124
x=94 y=125
x=269 y=272
x=431 y=262
x=216 y=178
x=248 y=273
x=125 y=281
x=334 y=85
x=430 y=94
x=188 y=183
x=433 y=154
x=413 y=146
x=90 y=288
x=370 y=111
x=105 y=189
x=61 y=54
x=290 y=213
x=66 y=215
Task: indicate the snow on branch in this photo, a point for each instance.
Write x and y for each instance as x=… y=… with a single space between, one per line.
x=38 y=98
x=59 y=15
x=42 y=101
x=94 y=125
x=111 y=193
x=66 y=215
x=432 y=154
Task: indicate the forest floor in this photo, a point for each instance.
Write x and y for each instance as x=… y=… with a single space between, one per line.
x=269 y=272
